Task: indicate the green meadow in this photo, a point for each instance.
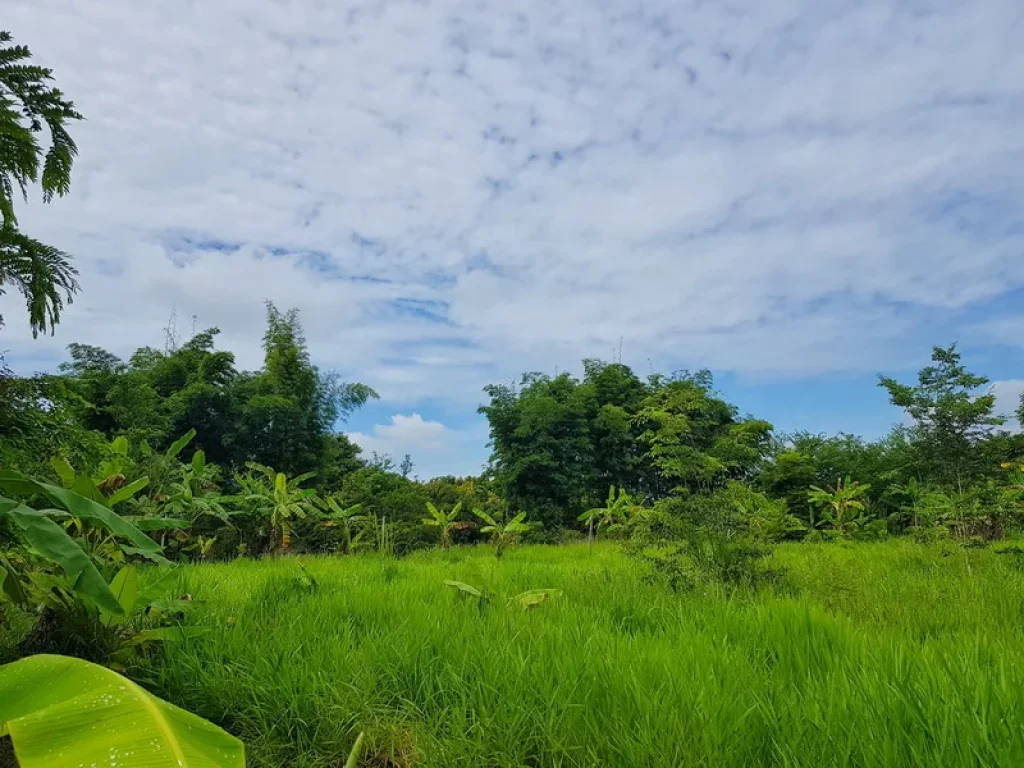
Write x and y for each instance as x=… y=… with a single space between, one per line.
x=887 y=654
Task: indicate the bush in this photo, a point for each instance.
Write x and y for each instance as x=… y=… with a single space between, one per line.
x=693 y=540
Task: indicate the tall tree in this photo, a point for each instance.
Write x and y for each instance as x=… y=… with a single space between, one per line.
x=695 y=440
x=288 y=410
x=542 y=447
x=30 y=108
x=951 y=417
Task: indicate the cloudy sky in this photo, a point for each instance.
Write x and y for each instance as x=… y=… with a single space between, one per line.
x=797 y=194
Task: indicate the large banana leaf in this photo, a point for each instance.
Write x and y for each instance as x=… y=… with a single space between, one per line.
x=53 y=543
x=64 y=713
x=79 y=506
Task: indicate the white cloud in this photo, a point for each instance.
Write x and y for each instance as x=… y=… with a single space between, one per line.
x=435 y=448
x=453 y=193
x=1008 y=400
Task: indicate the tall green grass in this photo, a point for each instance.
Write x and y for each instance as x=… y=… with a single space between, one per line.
x=890 y=654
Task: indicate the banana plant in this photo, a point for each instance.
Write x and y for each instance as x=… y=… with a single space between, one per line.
x=503 y=534
x=346 y=517
x=200 y=546
x=106 y=489
x=843 y=504
x=62 y=712
x=443 y=521
x=617 y=510
x=195 y=493
x=272 y=495
x=24 y=574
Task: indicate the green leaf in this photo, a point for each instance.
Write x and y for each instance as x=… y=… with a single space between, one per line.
x=485 y=517
x=125 y=587
x=128 y=491
x=179 y=445
x=356 y=753
x=9 y=583
x=298 y=480
x=63 y=713
x=154 y=557
x=79 y=506
x=199 y=462
x=53 y=543
x=64 y=471
x=462 y=586
x=534 y=597
x=158 y=589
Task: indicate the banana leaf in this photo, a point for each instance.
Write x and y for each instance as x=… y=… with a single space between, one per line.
x=79 y=506
x=64 y=713
x=53 y=543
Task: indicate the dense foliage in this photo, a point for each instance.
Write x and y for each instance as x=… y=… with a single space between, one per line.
x=559 y=443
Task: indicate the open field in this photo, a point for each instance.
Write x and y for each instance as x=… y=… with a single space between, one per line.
x=890 y=654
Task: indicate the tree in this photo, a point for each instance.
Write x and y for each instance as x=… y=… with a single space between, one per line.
x=842 y=504
x=617 y=510
x=445 y=522
x=272 y=495
x=28 y=106
x=505 y=533
x=950 y=418
x=346 y=517
x=542 y=449
x=283 y=416
x=288 y=410
x=695 y=440
x=406 y=467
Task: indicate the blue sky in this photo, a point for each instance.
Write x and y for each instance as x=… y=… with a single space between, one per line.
x=797 y=194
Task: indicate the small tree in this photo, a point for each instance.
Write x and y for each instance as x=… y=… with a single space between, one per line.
x=618 y=508
x=843 y=504
x=950 y=418
x=503 y=534
x=271 y=494
x=345 y=517
x=445 y=522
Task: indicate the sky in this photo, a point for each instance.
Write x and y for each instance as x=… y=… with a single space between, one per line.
x=796 y=194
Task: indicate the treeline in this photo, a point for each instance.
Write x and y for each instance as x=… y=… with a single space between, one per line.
x=560 y=442
x=116 y=423
x=672 y=443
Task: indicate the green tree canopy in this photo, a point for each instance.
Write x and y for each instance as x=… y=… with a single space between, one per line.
x=951 y=417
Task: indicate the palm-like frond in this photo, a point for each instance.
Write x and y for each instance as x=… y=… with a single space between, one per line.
x=41 y=273
x=29 y=105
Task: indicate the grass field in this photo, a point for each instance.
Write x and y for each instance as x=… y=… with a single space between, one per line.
x=891 y=654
